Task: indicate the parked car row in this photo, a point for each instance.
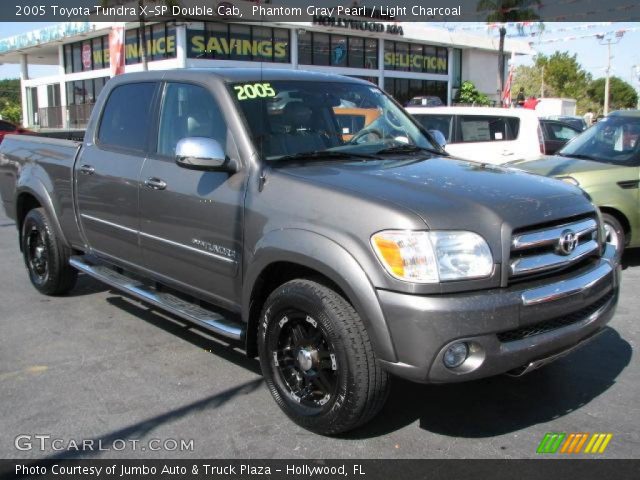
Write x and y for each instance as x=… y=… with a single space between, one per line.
x=603 y=160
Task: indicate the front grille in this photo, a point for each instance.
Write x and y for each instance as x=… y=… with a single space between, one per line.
x=540 y=251
x=554 y=323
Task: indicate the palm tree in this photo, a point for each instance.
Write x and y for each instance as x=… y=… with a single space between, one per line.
x=502 y=12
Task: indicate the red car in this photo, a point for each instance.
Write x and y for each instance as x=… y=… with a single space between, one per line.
x=8 y=128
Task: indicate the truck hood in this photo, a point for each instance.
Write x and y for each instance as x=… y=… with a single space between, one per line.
x=454 y=194
x=558 y=166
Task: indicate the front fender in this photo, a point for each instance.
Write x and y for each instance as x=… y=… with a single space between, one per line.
x=323 y=255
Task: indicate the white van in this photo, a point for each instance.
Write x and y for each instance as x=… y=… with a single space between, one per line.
x=483 y=134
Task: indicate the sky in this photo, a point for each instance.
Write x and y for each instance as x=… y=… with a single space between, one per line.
x=591 y=55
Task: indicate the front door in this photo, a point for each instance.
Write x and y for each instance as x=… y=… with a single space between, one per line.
x=108 y=173
x=191 y=220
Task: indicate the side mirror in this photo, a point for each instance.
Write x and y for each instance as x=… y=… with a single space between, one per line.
x=439 y=137
x=200 y=153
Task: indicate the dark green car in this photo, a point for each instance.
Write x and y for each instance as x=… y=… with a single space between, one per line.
x=605 y=162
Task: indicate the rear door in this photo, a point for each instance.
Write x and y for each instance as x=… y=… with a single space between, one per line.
x=108 y=173
x=191 y=220
x=487 y=138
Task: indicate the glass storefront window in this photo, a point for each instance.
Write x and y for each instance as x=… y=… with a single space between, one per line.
x=442 y=62
x=402 y=56
x=240 y=47
x=339 y=51
x=97 y=53
x=222 y=41
x=262 y=48
x=356 y=52
x=416 y=51
x=281 y=45
x=371 y=53
x=305 y=48
x=76 y=53
x=321 y=49
x=404 y=90
x=429 y=53
x=315 y=48
x=416 y=58
x=456 y=68
x=131 y=47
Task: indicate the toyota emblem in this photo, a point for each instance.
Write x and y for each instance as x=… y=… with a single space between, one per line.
x=567 y=242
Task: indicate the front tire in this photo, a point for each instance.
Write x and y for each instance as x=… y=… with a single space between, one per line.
x=317 y=359
x=614 y=234
x=45 y=257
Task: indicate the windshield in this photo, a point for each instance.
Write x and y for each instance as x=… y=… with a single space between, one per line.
x=334 y=119
x=611 y=140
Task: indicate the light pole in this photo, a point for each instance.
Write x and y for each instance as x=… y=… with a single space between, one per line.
x=608 y=42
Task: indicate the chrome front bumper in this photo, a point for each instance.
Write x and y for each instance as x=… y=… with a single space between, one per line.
x=506 y=329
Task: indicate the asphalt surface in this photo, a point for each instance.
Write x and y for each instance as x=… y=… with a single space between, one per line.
x=95 y=365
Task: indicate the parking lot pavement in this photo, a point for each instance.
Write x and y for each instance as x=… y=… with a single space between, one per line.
x=95 y=365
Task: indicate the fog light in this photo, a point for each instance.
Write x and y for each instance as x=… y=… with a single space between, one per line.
x=455 y=355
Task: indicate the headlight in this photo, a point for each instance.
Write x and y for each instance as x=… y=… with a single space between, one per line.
x=570 y=180
x=431 y=257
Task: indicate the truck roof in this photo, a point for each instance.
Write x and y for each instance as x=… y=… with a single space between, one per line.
x=625 y=113
x=232 y=74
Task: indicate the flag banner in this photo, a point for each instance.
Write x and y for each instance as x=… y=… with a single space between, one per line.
x=116 y=50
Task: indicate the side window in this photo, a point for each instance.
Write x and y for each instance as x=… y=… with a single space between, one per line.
x=476 y=128
x=561 y=132
x=188 y=111
x=127 y=116
x=442 y=123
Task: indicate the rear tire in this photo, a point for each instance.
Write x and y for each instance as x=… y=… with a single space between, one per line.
x=46 y=258
x=614 y=234
x=317 y=359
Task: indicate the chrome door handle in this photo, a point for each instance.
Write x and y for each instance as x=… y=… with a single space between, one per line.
x=87 y=170
x=155 y=183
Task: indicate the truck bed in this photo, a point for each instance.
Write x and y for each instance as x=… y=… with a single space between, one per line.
x=75 y=134
x=48 y=163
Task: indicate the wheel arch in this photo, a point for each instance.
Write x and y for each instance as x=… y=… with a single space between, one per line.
x=622 y=218
x=287 y=254
x=30 y=197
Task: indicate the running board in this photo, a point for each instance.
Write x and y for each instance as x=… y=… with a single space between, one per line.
x=191 y=312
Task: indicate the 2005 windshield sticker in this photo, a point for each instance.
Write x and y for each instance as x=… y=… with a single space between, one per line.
x=249 y=91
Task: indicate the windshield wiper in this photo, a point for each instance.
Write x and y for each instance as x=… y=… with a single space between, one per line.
x=405 y=148
x=576 y=155
x=324 y=155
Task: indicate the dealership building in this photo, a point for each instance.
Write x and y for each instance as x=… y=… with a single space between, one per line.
x=405 y=59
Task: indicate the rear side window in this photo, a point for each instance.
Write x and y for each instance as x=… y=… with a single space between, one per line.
x=557 y=131
x=476 y=128
x=443 y=123
x=126 y=117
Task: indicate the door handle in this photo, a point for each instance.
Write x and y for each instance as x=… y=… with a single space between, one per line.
x=506 y=153
x=155 y=183
x=87 y=170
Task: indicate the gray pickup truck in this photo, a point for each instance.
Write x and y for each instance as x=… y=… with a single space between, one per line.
x=309 y=218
